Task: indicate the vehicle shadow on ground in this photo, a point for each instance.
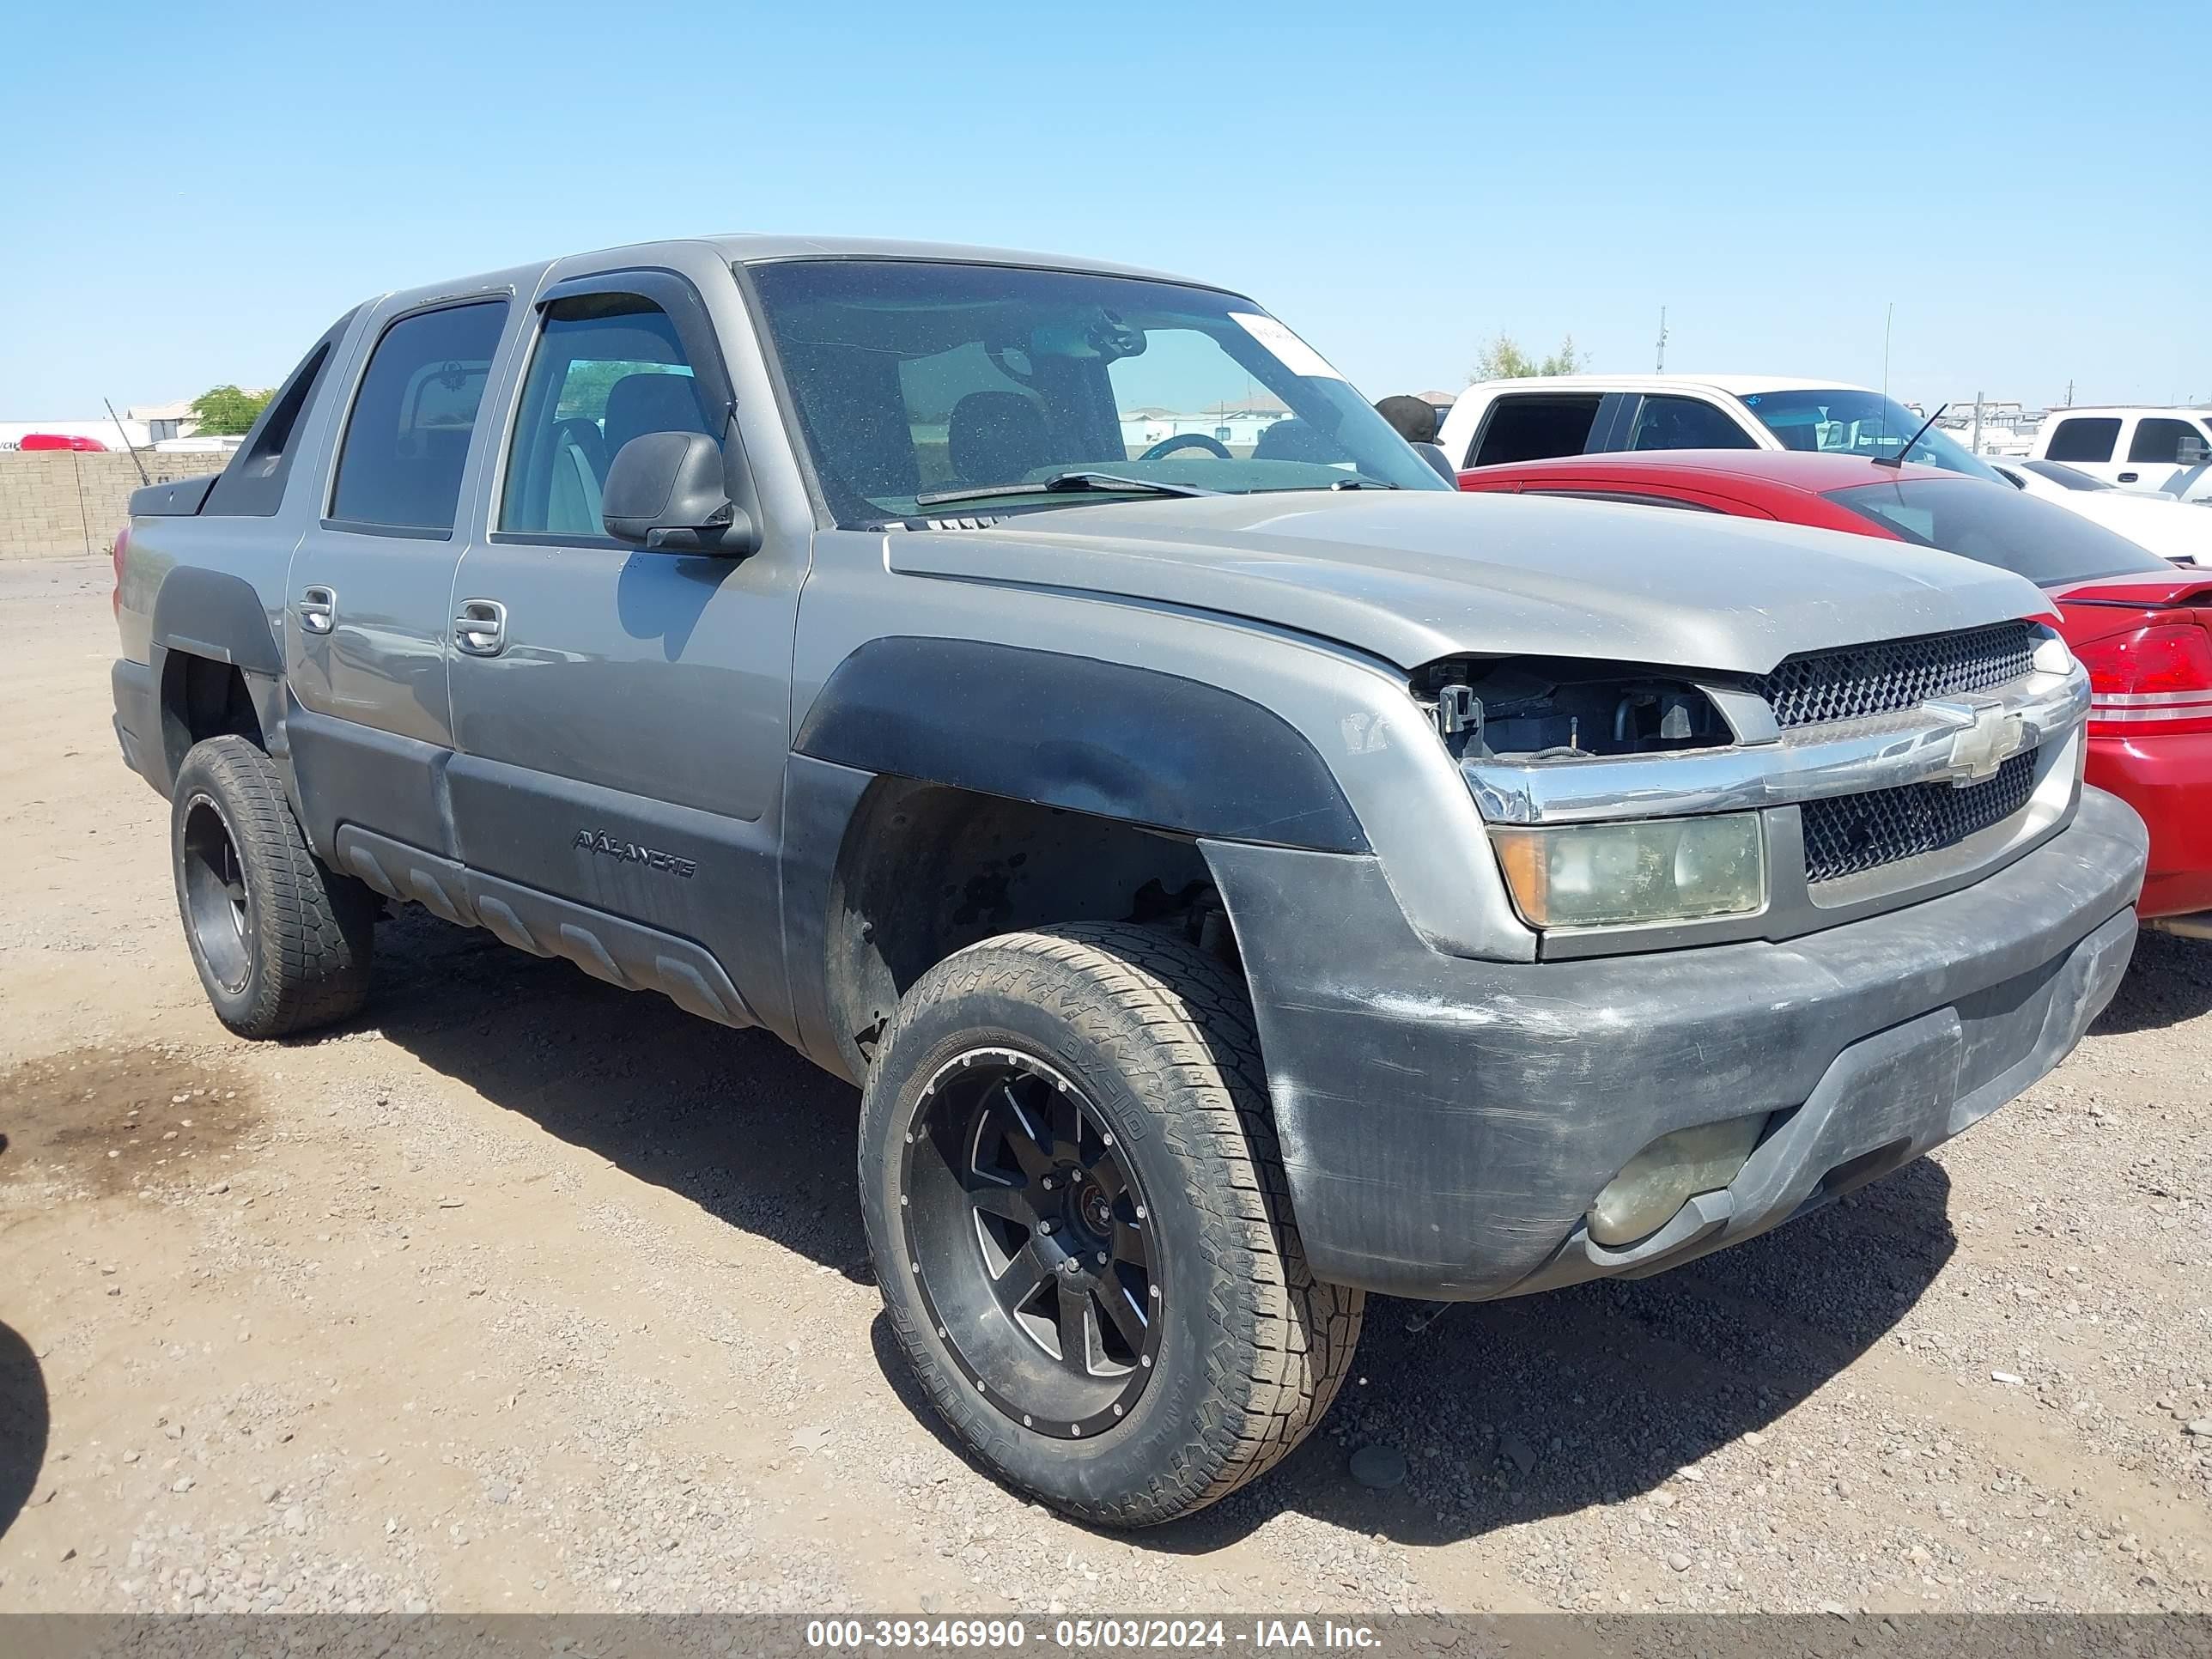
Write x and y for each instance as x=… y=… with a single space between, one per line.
x=735 y=1121
x=24 y=1423
x=2169 y=982
x=1506 y=1412
x=1514 y=1411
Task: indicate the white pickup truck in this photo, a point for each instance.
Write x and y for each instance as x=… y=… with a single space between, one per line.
x=2164 y=450
x=1539 y=418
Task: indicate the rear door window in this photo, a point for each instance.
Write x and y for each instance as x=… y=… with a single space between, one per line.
x=407 y=441
x=1536 y=426
x=2047 y=544
x=252 y=485
x=2084 y=438
x=1668 y=422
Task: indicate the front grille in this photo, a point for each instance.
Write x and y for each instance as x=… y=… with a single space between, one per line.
x=1859 y=680
x=1847 y=834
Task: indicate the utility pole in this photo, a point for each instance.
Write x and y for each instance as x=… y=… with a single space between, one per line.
x=1977 y=423
x=1661 y=367
x=2069 y=395
x=1888 y=316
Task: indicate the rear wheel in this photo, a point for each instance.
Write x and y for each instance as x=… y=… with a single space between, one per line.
x=1081 y=1225
x=282 y=943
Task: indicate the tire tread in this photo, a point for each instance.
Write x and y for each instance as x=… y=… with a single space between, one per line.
x=313 y=927
x=1285 y=1340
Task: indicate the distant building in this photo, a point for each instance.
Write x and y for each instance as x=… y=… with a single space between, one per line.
x=1235 y=426
x=162 y=420
x=2007 y=428
x=175 y=420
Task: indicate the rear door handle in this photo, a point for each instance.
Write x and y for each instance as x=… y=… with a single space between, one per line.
x=481 y=627
x=2130 y=477
x=318 y=608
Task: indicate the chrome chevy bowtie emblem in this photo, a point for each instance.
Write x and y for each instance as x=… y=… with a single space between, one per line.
x=1988 y=736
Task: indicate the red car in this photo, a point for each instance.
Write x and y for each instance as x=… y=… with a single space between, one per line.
x=2141 y=626
x=62 y=440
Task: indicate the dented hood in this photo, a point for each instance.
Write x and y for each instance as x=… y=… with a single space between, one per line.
x=1412 y=576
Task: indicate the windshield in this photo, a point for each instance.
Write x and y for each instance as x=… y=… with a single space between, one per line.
x=2065 y=477
x=2047 y=544
x=1859 y=423
x=913 y=380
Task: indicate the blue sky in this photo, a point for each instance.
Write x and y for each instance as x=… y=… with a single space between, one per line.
x=192 y=196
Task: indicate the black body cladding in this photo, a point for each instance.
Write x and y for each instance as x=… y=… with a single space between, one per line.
x=1129 y=743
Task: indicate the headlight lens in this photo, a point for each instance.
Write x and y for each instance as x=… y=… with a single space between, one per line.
x=1612 y=875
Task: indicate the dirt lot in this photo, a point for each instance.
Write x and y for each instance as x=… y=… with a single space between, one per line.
x=524 y=1293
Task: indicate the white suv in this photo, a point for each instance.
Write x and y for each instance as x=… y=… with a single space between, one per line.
x=2161 y=450
x=1537 y=418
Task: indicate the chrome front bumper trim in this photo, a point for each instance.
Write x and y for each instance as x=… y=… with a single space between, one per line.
x=1919 y=745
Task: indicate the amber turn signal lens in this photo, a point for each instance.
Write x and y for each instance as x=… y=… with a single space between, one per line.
x=1619 y=875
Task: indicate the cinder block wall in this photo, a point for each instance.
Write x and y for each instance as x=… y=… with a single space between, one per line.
x=57 y=504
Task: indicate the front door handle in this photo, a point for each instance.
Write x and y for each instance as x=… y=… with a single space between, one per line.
x=481 y=627
x=2130 y=477
x=318 y=609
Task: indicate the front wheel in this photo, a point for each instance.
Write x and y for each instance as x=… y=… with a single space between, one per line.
x=1081 y=1226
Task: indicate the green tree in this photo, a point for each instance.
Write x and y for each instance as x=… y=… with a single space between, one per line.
x=224 y=411
x=1503 y=360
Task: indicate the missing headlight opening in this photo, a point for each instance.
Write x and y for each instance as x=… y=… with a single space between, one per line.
x=1547 y=709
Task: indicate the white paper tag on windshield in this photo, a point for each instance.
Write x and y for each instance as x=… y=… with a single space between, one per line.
x=1296 y=354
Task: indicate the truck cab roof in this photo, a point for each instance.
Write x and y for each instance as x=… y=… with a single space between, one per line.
x=2195 y=411
x=751 y=248
x=1733 y=385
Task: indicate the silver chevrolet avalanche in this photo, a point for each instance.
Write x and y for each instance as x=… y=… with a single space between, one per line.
x=1239 y=871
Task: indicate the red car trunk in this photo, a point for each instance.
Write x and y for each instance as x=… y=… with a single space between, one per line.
x=2147 y=643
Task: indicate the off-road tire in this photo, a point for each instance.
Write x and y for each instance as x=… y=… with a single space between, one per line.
x=1160 y=1036
x=307 y=930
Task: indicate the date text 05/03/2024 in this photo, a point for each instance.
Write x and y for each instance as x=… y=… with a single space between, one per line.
x=1079 y=1635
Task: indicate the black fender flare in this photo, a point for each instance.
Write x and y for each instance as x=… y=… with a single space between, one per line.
x=1111 y=739
x=217 y=618
x=214 y=614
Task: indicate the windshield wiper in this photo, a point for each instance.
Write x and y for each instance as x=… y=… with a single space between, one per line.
x=1061 y=483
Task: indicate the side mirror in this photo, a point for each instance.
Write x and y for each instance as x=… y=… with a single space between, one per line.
x=2193 y=451
x=666 y=491
x=1435 y=456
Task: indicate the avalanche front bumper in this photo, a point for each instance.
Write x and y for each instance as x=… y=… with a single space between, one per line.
x=1446 y=1122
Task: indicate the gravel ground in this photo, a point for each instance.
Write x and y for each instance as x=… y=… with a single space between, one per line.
x=523 y=1293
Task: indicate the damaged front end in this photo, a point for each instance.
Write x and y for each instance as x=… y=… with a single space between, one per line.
x=1533 y=709
x=1916 y=910
x=1633 y=808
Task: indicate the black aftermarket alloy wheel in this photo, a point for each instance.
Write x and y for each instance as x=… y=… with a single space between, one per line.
x=217 y=908
x=1081 y=1228
x=282 y=942
x=1030 y=1242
